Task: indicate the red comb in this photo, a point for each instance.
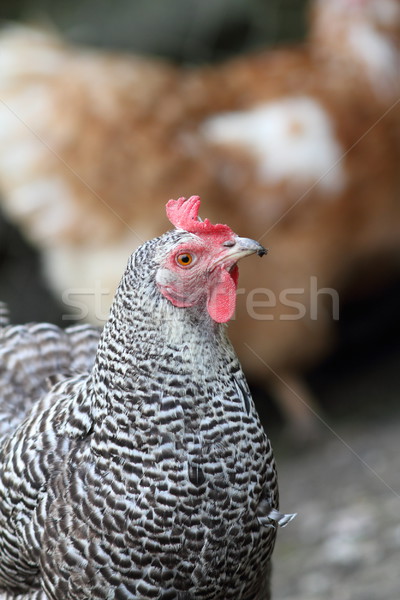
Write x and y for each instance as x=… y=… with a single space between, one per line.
x=183 y=213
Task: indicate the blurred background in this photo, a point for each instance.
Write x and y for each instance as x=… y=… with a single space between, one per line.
x=187 y=32
x=108 y=109
x=184 y=31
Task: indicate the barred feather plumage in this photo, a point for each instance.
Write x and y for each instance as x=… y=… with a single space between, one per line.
x=145 y=473
x=33 y=356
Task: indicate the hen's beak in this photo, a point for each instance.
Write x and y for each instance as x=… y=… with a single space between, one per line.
x=245 y=246
x=236 y=249
x=239 y=248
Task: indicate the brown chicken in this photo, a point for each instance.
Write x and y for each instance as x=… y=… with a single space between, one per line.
x=299 y=146
x=309 y=150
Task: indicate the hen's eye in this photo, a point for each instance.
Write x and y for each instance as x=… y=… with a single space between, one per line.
x=184 y=259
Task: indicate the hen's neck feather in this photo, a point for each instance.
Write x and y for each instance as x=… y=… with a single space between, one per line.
x=149 y=346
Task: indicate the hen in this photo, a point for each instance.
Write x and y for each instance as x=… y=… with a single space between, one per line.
x=301 y=143
x=151 y=475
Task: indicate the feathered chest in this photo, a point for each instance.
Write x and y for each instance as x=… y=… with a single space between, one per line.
x=172 y=479
x=182 y=481
x=170 y=492
x=207 y=433
x=189 y=399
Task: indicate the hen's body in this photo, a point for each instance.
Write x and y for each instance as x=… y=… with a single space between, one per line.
x=149 y=477
x=34 y=355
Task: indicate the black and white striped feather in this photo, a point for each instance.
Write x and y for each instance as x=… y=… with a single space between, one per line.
x=144 y=473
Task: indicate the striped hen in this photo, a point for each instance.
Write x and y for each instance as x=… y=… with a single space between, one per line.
x=150 y=476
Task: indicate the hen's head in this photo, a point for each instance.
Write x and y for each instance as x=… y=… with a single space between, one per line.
x=198 y=268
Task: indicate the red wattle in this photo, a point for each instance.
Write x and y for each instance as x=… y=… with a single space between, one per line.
x=221 y=299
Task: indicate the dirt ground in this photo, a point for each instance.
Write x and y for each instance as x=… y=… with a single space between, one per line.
x=345 y=541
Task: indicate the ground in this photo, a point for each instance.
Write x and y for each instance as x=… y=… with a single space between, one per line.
x=345 y=541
